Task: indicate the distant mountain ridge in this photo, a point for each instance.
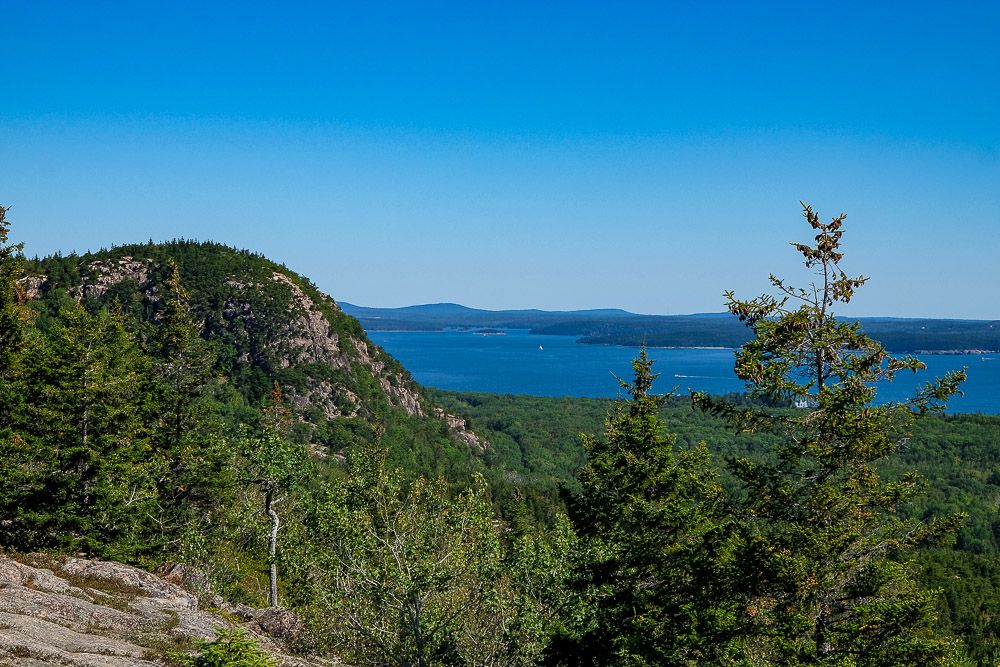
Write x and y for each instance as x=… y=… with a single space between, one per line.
x=434 y=310
x=613 y=326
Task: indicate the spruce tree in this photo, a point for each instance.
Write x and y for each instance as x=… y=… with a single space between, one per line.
x=825 y=561
x=11 y=297
x=17 y=469
x=12 y=330
x=187 y=435
x=650 y=516
x=184 y=361
x=86 y=438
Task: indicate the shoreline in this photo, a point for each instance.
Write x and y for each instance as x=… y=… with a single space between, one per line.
x=952 y=352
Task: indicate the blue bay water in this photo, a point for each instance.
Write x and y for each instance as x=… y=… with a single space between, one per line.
x=521 y=363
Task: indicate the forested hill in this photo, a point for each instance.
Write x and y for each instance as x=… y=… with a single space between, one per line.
x=619 y=327
x=437 y=316
x=191 y=403
x=266 y=325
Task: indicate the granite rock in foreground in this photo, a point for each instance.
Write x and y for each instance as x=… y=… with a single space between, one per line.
x=73 y=612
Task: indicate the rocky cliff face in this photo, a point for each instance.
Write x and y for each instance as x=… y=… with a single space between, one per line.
x=103 y=275
x=70 y=612
x=306 y=337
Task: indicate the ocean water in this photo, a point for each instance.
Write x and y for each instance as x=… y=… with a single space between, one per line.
x=520 y=363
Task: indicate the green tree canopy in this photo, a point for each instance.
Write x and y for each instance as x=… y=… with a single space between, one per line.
x=826 y=548
x=649 y=514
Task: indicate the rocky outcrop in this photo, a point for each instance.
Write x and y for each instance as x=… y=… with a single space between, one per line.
x=310 y=337
x=460 y=427
x=74 y=612
x=31 y=286
x=105 y=275
x=305 y=336
x=398 y=389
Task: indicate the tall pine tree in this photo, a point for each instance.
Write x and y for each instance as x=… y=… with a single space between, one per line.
x=11 y=298
x=825 y=560
x=186 y=435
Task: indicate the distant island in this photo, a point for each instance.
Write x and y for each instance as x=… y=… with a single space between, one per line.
x=612 y=326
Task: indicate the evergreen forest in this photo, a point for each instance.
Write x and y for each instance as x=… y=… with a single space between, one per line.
x=187 y=402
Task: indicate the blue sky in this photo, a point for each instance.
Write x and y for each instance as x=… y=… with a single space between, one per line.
x=508 y=155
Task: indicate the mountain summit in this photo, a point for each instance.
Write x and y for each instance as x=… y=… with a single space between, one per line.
x=267 y=325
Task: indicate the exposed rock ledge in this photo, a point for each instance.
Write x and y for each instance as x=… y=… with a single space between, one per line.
x=461 y=428
x=84 y=613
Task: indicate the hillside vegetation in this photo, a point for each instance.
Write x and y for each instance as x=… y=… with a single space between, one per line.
x=188 y=402
x=538 y=440
x=262 y=324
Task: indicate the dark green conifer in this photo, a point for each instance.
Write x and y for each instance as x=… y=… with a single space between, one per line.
x=16 y=469
x=92 y=481
x=649 y=513
x=826 y=551
x=184 y=361
x=11 y=297
x=187 y=435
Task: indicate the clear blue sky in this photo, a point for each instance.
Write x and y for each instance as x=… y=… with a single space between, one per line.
x=509 y=155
